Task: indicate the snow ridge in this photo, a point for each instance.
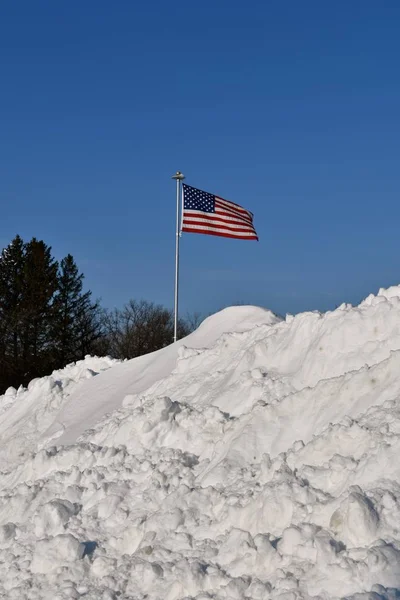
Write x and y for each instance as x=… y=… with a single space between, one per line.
x=257 y=458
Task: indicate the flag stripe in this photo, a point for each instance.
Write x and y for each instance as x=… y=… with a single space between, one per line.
x=220 y=232
x=192 y=226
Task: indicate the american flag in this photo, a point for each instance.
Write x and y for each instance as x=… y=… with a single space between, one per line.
x=212 y=215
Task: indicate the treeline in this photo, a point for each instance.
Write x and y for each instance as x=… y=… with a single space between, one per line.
x=47 y=320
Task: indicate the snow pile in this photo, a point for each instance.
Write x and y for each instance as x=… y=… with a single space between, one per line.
x=26 y=413
x=255 y=459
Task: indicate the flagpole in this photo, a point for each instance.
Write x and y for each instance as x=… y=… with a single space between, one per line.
x=179 y=177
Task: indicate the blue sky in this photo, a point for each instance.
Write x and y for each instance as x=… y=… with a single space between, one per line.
x=290 y=109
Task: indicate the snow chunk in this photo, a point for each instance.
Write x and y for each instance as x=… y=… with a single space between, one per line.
x=53 y=517
x=356 y=520
x=51 y=553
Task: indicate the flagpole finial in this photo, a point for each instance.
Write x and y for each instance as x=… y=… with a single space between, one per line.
x=178 y=176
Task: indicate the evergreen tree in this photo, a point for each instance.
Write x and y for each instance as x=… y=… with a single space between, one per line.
x=11 y=290
x=76 y=325
x=39 y=286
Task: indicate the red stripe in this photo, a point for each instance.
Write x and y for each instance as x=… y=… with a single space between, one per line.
x=228 y=235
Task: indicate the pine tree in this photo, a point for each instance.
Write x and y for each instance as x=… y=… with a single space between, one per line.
x=11 y=290
x=39 y=286
x=75 y=318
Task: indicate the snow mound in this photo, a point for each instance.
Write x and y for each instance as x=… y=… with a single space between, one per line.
x=27 y=413
x=257 y=458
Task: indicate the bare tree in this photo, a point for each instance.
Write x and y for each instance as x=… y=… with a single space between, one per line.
x=141 y=327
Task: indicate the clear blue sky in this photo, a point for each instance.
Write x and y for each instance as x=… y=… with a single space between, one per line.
x=291 y=109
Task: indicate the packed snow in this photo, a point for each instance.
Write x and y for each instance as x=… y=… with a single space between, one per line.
x=258 y=458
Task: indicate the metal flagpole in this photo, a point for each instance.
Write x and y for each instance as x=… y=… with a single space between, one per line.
x=179 y=177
